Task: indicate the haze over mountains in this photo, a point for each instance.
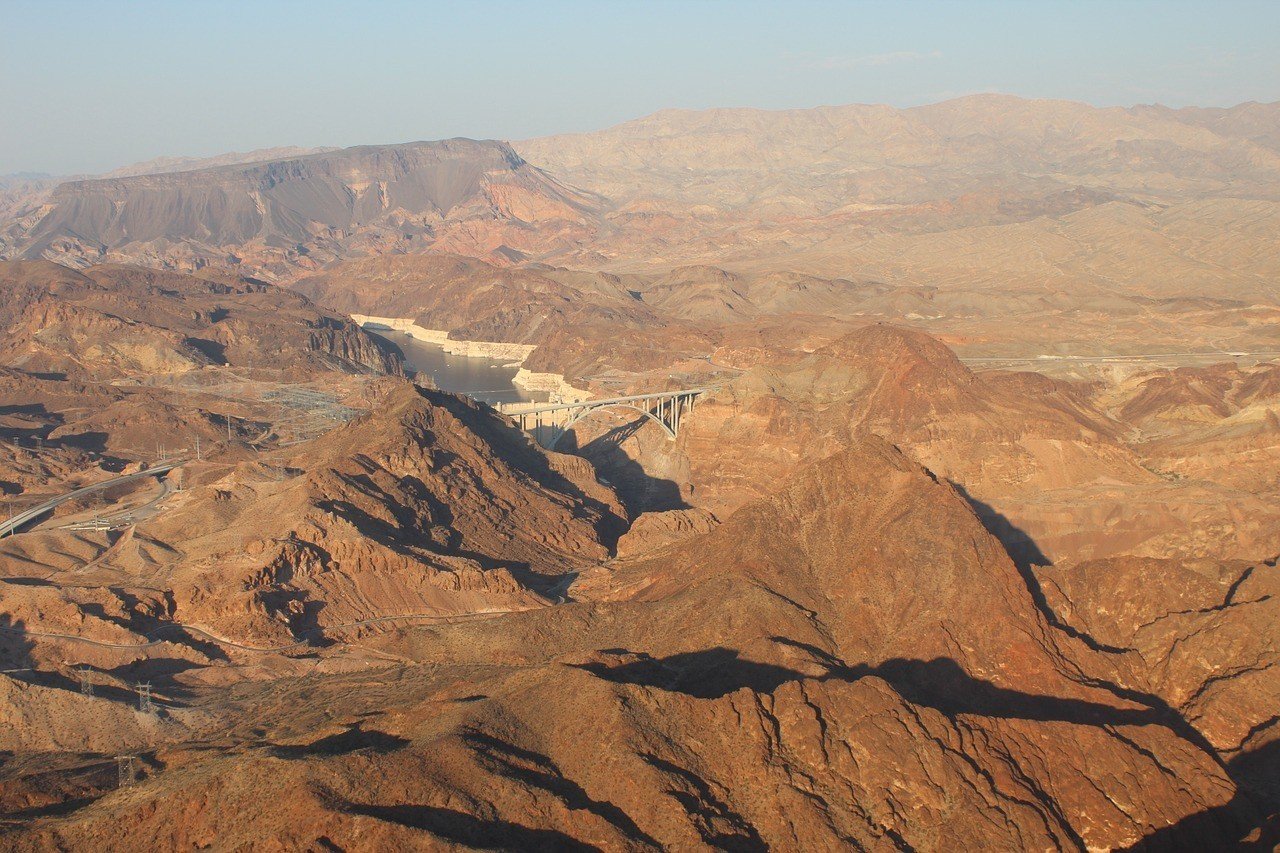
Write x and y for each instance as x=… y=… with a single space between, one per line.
x=677 y=185
x=983 y=209
x=970 y=541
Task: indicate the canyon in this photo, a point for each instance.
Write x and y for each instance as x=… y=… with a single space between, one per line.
x=969 y=541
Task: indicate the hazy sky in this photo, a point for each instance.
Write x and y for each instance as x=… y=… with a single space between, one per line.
x=89 y=86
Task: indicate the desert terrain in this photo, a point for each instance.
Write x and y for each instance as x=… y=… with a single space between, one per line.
x=967 y=539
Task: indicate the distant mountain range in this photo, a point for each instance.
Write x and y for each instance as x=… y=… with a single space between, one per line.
x=280 y=215
x=831 y=191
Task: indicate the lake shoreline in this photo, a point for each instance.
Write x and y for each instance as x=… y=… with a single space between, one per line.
x=553 y=384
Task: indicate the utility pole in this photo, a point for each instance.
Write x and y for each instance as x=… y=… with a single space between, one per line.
x=86 y=681
x=125 y=771
x=145 y=705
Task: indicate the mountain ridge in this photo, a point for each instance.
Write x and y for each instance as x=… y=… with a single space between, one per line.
x=300 y=212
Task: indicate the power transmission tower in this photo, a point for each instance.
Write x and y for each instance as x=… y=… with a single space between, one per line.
x=145 y=705
x=126 y=771
x=86 y=681
x=198 y=457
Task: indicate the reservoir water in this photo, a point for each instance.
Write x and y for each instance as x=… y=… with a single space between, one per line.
x=485 y=379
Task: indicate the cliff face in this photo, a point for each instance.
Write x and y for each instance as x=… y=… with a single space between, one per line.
x=284 y=214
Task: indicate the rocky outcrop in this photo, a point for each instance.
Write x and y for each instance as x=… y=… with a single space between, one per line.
x=1218 y=423
x=1201 y=634
x=653 y=531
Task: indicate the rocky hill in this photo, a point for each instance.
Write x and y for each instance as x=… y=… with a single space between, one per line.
x=582 y=322
x=1011 y=227
x=161 y=165
x=1056 y=474
x=274 y=216
x=115 y=365
x=117 y=321
x=811 y=674
x=983 y=198
x=427 y=504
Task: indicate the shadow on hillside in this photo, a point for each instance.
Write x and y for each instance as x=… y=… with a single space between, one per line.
x=391 y=352
x=215 y=352
x=1018 y=543
x=538 y=771
x=941 y=684
x=31 y=409
x=15 y=647
x=726 y=829
x=355 y=738
x=1250 y=821
x=40 y=422
x=468 y=830
x=159 y=672
x=409 y=531
x=138 y=621
x=17 y=661
x=1026 y=556
x=707 y=674
x=1252 y=818
x=517 y=449
x=638 y=490
x=90 y=442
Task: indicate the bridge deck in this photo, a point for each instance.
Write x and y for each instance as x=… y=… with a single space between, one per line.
x=610 y=401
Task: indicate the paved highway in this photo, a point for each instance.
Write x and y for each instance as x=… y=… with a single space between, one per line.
x=10 y=526
x=1221 y=355
x=180 y=627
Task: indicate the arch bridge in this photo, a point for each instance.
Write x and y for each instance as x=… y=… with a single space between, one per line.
x=548 y=424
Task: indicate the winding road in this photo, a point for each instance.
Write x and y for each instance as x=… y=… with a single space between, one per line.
x=1056 y=359
x=10 y=526
x=192 y=629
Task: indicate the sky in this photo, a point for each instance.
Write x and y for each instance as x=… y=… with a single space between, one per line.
x=90 y=85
